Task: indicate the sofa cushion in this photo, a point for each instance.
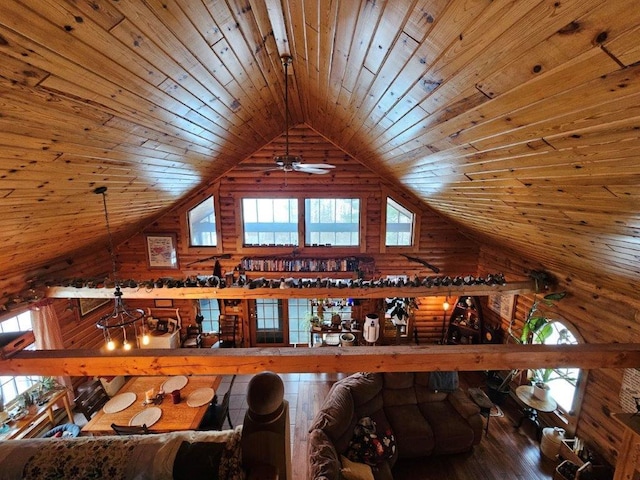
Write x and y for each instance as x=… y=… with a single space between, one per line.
x=413 y=433
x=324 y=461
x=355 y=470
x=370 y=444
x=452 y=432
x=364 y=387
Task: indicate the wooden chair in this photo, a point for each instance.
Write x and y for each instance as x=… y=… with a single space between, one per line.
x=215 y=415
x=91 y=397
x=193 y=338
x=128 y=430
x=228 y=330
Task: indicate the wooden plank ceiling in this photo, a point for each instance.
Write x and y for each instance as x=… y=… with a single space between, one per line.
x=518 y=120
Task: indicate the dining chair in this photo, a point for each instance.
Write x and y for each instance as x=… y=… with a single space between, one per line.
x=91 y=397
x=228 y=330
x=130 y=430
x=215 y=415
x=193 y=338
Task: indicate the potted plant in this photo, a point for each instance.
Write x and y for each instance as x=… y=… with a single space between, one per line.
x=539 y=380
x=536 y=329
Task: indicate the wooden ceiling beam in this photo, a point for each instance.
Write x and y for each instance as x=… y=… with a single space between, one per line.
x=242 y=293
x=321 y=360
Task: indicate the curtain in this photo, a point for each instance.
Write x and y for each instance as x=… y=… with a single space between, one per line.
x=48 y=335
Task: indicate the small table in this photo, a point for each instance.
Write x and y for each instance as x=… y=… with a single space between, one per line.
x=533 y=405
x=482 y=400
x=174 y=417
x=18 y=428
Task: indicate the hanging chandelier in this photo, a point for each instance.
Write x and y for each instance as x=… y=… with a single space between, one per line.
x=120 y=319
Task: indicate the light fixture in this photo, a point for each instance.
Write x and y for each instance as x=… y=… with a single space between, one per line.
x=445 y=307
x=288 y=162
x=120 y=318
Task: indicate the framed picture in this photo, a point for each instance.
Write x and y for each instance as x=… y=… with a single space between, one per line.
x=88 y=305
x=161 y=250
x=502 y=305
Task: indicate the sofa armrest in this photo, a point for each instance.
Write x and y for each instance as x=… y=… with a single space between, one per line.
x=324 y=460
x=469 y=411
x=463 y=404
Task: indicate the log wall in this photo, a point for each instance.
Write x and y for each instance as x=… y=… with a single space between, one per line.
x=601 y=316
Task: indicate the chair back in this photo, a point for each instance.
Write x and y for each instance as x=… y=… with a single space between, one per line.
x=228 y=335
x=91 y=397
x=216 y=413
x=130 y=430
x=193 y=338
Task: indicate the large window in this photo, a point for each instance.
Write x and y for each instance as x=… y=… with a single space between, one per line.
x=202 y=225
x=11 y=387
x=332 y=221
x=270 y=221
x=562 y=381
x=399 y=227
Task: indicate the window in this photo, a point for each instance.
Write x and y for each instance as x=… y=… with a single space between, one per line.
x=562 y=381
x=269 y=321
x=299 y=314
x=270 y=221
x=210 y=310
x=332 y=221
x=399 y=227
x=202 y=225
x=11 y=387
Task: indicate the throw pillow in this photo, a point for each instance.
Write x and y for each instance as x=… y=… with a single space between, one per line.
x=370 y=446
x=355 y=470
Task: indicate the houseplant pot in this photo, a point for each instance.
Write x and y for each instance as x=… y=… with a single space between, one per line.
x=541 y=391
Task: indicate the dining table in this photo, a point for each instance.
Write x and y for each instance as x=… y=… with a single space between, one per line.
x=150 y=400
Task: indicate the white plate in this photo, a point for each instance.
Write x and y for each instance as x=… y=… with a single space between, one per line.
x=147 y=417
x=174 y=383
x=199 y=397
x=119 y=402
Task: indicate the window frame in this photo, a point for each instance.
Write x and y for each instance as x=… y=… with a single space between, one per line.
x=240 y=210
x=570 y=418
x=306 y=217
x=417 y=224
x=34 y=380
x=286 y=250
x=184 y=245
x=215 y=214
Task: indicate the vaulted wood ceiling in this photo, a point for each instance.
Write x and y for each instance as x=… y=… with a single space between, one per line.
x=517 y=120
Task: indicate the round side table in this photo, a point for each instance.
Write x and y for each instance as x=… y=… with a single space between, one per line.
x=533 y=405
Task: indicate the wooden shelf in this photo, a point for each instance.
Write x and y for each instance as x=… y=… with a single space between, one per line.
x=514 y=288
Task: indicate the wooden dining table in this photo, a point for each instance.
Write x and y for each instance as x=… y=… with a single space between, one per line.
x=174 y=417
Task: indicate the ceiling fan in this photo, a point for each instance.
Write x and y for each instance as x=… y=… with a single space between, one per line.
x=293 y=163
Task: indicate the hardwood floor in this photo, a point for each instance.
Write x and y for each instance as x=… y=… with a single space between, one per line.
x=506 y=453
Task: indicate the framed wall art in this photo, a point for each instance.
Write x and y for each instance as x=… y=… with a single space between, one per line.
x=161 y=250
x=502 y=305
x=88 y=305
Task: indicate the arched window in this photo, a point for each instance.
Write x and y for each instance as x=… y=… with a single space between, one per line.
x=563 y=382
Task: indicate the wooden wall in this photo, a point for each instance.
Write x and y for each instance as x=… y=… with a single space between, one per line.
x=601 y=316
x=439 y=243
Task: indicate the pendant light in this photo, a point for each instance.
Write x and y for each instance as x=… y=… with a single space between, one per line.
x=120 y=318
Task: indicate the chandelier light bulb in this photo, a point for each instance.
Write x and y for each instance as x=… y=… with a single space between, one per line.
x=145 y=339
x=126 y=346
x=111 y=345
x=445 y=305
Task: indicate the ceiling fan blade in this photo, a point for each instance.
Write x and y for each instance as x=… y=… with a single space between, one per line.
x=303 y=168
x=315 y=165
